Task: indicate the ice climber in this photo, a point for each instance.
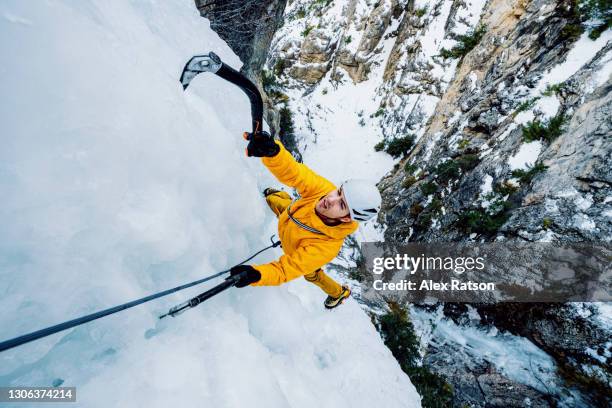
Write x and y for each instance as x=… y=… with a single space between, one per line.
x=312 y=228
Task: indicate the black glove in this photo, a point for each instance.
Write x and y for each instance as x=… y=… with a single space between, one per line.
x=261 y=144
x=247 y=275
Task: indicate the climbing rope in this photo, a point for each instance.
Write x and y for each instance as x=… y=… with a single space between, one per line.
x=26 y=338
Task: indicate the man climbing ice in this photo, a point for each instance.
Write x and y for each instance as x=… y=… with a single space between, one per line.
x=312 y=229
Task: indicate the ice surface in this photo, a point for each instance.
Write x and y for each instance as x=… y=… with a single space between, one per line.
x=116 y=184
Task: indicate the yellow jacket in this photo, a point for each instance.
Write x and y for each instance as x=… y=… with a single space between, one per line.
x=305 y=251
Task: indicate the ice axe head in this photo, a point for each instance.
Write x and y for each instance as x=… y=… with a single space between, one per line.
x=198 y=64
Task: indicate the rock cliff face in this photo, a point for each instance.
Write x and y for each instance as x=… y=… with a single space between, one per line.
x=522 y=72
x=498 y=115
x=479 y=119
x=247 y=27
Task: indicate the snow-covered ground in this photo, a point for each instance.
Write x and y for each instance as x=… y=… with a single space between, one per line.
x=116 y=184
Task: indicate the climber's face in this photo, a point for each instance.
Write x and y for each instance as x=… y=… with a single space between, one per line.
x=334 y=206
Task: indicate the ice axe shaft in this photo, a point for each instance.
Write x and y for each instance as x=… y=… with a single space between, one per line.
x=193 y=302
x=212 y=63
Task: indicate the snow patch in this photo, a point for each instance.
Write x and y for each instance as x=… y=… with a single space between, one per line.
x=473 y=77
x=583 y=203
x=568 y=192
x=468 y=15
x=583 y=222
x=454 y=118
x=430 y=145
x=485 y=149
x=526 y=156
x=603 y=74
x=431 y=40
x=581 y=53
x=523 y=117
x=508 y=130
x=604 y=314
x=548 y=106
x=486 y=188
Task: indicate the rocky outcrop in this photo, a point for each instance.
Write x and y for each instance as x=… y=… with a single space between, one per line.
x=356 y=63
x=573 y=192
x=332 y=37
x=313 y=59
x=480 y=385
x=567 y=333
x=500 y=88
x=247 y=27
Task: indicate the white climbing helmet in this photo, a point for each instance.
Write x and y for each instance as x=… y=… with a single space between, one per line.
x=363 y=199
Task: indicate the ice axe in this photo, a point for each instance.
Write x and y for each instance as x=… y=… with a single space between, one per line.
x=212 y=63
